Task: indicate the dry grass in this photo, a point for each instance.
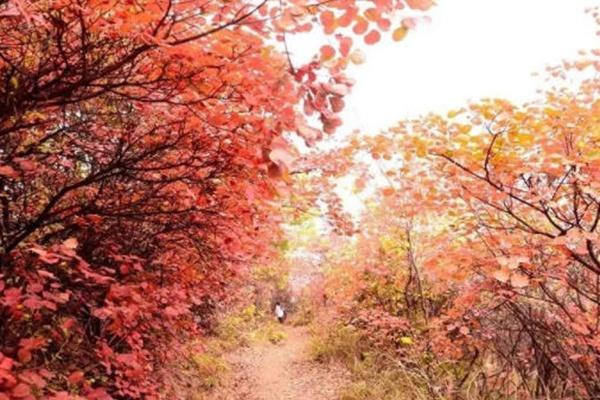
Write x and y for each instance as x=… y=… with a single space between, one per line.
x=378 y=374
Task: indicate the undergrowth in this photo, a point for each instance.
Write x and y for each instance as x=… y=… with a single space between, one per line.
x=381 y=374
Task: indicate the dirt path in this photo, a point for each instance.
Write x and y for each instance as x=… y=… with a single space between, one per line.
x=282 y=372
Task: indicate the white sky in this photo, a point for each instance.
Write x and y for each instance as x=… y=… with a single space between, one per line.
x=472 y=49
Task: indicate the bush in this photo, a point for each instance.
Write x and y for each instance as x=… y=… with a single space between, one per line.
x=342 y=343
x=381 y=373
x=275 y=335
x=210 y=369
x=303 y=315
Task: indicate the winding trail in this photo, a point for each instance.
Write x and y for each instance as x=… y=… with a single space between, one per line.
x=283 y=371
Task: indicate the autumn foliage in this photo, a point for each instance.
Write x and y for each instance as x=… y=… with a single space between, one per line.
x=478 y=249
x=140 y=149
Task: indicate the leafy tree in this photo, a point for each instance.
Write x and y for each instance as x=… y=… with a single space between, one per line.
x=480 y=242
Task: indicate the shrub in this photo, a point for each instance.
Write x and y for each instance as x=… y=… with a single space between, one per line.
x=343 y=343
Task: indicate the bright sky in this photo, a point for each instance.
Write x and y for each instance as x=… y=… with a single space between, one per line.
x=472 y=49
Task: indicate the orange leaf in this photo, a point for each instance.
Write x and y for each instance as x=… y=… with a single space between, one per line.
x=388 y=191
x=422 y=5
x=399 y=33
x=328 y=21
x=361 y=26
x=580 y=328
x=327 y=53
x=347 y=18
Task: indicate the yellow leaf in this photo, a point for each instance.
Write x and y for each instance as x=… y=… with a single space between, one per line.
x=406 y=340
x=421 y=148
x=464 y=128
x=594 y=154
x=524 y=139
x=463 y=138
x=399 y=33
x=454 y=113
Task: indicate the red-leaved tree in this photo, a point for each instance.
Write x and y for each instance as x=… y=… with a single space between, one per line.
x=140 y=148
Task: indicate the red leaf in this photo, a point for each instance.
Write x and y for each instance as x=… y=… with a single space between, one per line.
x=361 y=26
x=372 y=37
x=327 y=53
x=21 y=390
x=124 y=268
x=6 y=363
x=8 y=171
x=24 y=355
x=98 y=394
x=171 y=311
x=33 y=378
x=384 y=24
x=46 y=256
x=345 y=45
x=75 y=377
x=33 y=343
x=337 y=104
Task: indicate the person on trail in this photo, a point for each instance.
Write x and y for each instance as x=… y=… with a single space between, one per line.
x=279 y=312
